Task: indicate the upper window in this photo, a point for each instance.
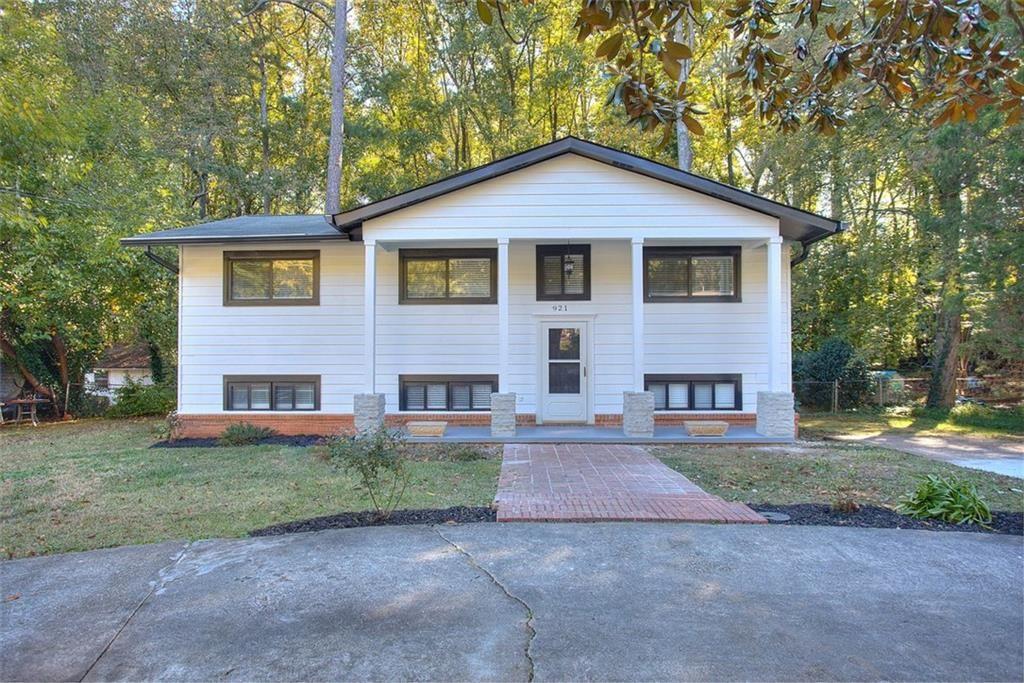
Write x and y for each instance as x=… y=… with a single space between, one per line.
x=563 y=272
x=466 y=392
x=695 y=392
x=448 y=276
x=278 y=392
x=271 y=278
x=691 y=274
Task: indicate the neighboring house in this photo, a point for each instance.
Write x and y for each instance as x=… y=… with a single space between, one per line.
x=569 y=275
x=118 y=365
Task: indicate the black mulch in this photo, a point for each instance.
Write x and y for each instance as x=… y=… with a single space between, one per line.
x=347 y=520
x=820 y=514
x=208 y=442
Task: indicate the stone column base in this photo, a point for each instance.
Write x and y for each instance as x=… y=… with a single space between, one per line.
x=503 y=414
x=776 y=416
x=369 y=412
x=638 y=413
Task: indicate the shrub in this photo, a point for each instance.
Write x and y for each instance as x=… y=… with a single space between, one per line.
x=814 y=372
x=950 y=499
x=135 y=399
x=376 y=459
x=244 y=434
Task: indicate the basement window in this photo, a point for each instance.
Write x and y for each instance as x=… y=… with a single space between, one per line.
x=449 y=393
x=695 y=392
x=277 y=392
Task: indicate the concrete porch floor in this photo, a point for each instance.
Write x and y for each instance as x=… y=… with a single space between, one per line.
x=593 y=434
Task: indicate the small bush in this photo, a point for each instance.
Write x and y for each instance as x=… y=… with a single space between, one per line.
x=814 y=372
x=950 y=499
x=135 y=400
x=244 y=434
x=845 y=504
x=377 y=460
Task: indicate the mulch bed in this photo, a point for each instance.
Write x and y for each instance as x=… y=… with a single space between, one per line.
x=820 y=514
x=208 y=442
x=346 y=520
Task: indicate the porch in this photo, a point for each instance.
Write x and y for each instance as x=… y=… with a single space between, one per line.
x=593 y=434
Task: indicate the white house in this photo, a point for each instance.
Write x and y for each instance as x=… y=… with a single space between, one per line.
x=118 y=365
x=571 y=283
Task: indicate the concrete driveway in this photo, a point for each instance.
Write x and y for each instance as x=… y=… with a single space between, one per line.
x=1002 y=456
x=515 y=601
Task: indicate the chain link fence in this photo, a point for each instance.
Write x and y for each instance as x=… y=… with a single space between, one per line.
x=889 y=390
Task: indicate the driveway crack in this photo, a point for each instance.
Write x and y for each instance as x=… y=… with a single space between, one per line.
x=531 y=632
x=158 y=584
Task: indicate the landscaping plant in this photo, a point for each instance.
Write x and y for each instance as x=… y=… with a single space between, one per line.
x=136 y=400
x=244 y=434
x=950 y=499
x=377 y=459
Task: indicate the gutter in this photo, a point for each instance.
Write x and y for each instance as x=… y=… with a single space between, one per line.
x=805 y=245
x=159 y=260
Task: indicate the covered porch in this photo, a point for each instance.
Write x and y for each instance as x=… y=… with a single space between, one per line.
x=594 y=434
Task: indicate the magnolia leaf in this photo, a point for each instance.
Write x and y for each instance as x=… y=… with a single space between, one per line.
x=484 y=11
x=672 y=67
x=609 y=47
x=692 y=125
x=678 y=50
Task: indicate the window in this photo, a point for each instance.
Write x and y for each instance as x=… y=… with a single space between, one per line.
x=563 y=272
x=279 y=392
x=470 y=392
x=271 y=278
x=101 y=378
x=448 y=276
x=678 y=274
x=695 y=392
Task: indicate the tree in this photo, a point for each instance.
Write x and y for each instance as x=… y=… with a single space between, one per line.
x=946 y=57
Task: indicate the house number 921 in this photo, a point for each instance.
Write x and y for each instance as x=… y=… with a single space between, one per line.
x=561 y=308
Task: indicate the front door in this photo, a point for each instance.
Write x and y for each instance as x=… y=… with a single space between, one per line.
x=563 y=372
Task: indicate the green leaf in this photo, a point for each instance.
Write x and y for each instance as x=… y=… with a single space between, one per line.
x=485 y=12
x=609 y=47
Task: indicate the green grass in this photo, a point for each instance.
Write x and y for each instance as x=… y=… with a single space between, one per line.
x=818 y=472
x=96 y=483
x=963 y=420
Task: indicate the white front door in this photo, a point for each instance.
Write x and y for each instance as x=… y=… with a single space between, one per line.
x=563 y=373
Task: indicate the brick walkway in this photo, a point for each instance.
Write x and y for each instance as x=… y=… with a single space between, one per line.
x=597 y=482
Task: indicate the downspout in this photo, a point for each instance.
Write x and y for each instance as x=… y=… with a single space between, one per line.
x=159 y=260
x=805 y=245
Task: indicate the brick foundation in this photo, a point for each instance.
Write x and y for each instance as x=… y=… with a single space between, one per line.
x=327 y=424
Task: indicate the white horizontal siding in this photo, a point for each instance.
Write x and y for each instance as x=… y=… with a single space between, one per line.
x=218 y=340
x=558 y=199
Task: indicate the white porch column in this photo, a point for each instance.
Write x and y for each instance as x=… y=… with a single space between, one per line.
x=774 y=255
x=503 y=279
x=637 y=260
x=370 y=316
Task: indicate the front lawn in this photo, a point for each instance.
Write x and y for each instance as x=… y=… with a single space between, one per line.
x=964 y=420
x=822 y=472
x=96 y=483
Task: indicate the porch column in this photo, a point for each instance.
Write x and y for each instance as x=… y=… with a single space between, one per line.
x=774 y=255
x=637 y=260
x=503 y=279
x=370 y=316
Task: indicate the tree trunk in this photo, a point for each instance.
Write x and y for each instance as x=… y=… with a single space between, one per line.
x=337 y=138
x=8 y=350
x=684 y=147
x=61 y=351
x=264 y=133
x=942 y=385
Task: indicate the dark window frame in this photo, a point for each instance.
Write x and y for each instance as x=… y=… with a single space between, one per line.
x=278 y=255
x=448 y=380
x=101 y=379
x=272 y=380
x=736 y=379
x=654 y=252
x=406 y=255
x=563 y=250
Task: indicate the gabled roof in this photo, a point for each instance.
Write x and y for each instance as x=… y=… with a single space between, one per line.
x=795 y=224
x=242 y=229
x=124 y=356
